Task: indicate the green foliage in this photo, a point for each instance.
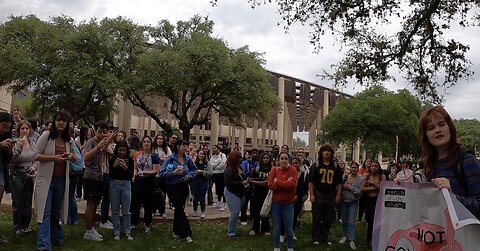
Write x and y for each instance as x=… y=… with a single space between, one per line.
x=200 y=74
x=410 y=36
x=299 y=142
x=468 y=131
x=375 y=116
x=61 y=62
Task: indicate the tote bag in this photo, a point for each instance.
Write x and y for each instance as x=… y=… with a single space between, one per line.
x=267 y=204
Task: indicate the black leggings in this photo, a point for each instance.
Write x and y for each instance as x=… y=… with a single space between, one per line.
x=144 y=190
x=219 y=181
x=370 y=203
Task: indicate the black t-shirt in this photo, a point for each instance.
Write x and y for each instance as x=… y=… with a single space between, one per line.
x=261 y=174
x=325 y=179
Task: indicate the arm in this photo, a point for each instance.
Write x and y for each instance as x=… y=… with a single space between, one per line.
x=209 y=172
x=91 y=151
x=192 y=169
x=230 y=181
x=166 y=172
x=363 y=186
x=290 y=183
x=272 y=184
x=40 y=148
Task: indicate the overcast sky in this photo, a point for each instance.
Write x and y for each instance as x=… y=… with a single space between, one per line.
x=236 y=22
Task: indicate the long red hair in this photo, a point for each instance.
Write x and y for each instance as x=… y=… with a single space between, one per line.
x=234 y=161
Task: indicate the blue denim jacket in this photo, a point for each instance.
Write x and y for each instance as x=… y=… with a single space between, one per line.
x=172 y=163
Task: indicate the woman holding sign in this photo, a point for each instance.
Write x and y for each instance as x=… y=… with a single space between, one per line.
x=447 y=163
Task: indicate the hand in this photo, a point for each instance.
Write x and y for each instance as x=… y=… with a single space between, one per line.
x=31 y=170
x=312 y=198
x=102 y=144
x=23 y=142
x=186 y=178
x=290 y=179
x=275 y=180
x=6 y=144
x=178 y=171
x=58 y=158
x=337 y=200
x=442 y=183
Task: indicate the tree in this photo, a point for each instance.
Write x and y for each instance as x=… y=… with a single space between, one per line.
x=199 y=74
x=416 y=42
x=468 y=131
x=375 y=116
x=298 y=142
x=60 y=62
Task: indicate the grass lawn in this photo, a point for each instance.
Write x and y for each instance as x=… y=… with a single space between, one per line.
x=207 y=235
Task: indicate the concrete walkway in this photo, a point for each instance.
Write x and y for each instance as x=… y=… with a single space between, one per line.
x=211 y=212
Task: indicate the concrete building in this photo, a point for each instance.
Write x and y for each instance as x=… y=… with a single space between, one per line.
x=304 y=105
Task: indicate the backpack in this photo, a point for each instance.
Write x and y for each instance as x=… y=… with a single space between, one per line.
x=460 y=172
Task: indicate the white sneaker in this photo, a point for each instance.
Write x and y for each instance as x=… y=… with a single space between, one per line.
x=343 y=240
x=217 y=205
x=164 y=215
x=147 y=230
x=221 y=207
x=129 y=237
x=116 y=237
x=243 y=223
x=290 y=249
x=316 y=243
x=91 y=236
x=189 y=239
x=276 y=249
x=294 y=237
x=282 y=238
x=252 y=233
x=106 y=225
x=202 y=216
x=96 y=233
x=195 y=214
x=353 y=246
x=175 y=235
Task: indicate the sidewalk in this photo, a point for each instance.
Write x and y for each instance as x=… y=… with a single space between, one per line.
x=211 y=212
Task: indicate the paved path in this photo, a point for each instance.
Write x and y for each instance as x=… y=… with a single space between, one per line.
x=211 y=211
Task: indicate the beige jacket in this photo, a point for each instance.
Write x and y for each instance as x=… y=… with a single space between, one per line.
x=44 y=177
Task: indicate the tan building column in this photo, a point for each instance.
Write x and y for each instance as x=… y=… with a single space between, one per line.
x=241 y=139
x=312 y=140
x=196 y=132
x=270 y=134
x=202 y=134
x=326 y=103
x=255 y=134
x=264 y=136
x=356 y=151
x=281 y=113
x=125 y=116
x=214 y=130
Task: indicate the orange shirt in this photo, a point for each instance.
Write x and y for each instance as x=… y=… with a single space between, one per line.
x=283 y=189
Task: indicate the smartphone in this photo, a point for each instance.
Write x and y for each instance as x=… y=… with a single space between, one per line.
x=64 y=155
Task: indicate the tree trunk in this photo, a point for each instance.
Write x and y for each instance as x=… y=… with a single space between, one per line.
x=186 y=132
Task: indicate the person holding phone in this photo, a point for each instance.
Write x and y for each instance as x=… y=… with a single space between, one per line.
x=177 y=171
x=23 y=170
x=53 y=151
x=121 y=173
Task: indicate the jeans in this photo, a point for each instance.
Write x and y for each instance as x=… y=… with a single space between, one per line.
x=120 y=195
x=199 y=190
x=105 y=207
x=282 y=213
x=50 y=229
x=72 y=201
x=349 y=210
x=178 y=193
x=22 y=193
x=235 y=204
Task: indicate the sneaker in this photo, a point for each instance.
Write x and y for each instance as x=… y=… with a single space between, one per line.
x=189 y=239
x=316 y=243
x=202 y=216
x=282 y=238
x=29 y=230
x=147 y=230
x=289 y=249
x=222 y=209
x=268 y=234
x=343 y=240
x=129 y=237
x=106 y=225
x=132 y=227
x=116 y=237
x=91 y=236
x=276 y=249
x=353 y=246
x=217 y=205
x=20 y=232
x=294 y=237
x=175 y=235
x=97 y=233
x=243 y=223
x=195 y=214
x=252 y=233
x=164 y=215
x=329 y=243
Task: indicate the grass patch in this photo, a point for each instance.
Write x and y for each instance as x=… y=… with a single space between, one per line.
x=207 y=235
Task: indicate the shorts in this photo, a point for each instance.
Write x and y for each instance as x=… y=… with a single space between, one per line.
x=92 y=189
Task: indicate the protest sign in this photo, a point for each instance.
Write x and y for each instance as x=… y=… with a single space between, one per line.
x=420 y=217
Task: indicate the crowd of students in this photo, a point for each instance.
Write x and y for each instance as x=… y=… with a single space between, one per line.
x=125 y=175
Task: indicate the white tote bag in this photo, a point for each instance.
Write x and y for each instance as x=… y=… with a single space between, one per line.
x=267 y=204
